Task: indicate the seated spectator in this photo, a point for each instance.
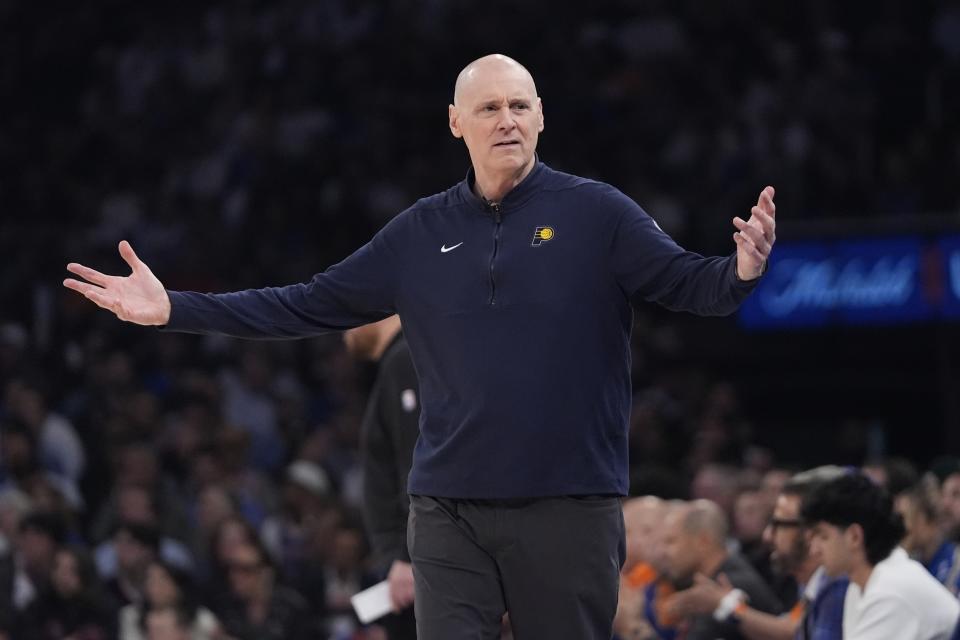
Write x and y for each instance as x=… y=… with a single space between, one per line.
x=856 y=532
x=818 y=614
x=72 y=607
x=168 y=623
x=60 y=449
x=26 y=573
x=926 y=540
x=344 y=575
x=20 y=467
x=213 y=505
x=950 y=505
x=694 y=544
x=261 y=608
x=231 y=534
x=168 y=588
x=640 y=517
x=136 y=545
x=136 y=505
x=14 y=505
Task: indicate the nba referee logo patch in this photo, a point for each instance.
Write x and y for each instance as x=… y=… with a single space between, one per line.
x=541 y=235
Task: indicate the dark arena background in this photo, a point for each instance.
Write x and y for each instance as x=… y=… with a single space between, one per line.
x=248 y=144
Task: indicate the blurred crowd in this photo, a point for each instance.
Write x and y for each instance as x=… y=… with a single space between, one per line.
x=151 y=483
x=750 y=555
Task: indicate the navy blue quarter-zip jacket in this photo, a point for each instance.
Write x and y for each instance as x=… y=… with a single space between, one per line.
x=518 y=318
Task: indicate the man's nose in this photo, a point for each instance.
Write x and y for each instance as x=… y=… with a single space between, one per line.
x=767 y=535
x=507 y=120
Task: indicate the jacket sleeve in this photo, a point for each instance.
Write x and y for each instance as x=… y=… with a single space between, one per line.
x=649 y=265
x=360 y=289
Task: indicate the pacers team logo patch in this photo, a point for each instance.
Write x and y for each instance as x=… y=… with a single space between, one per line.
x=541 y=235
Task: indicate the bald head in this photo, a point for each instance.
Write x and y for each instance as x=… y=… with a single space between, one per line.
x=481 y=72
x=705 y=518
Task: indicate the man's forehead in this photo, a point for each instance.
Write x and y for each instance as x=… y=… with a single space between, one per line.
x=494 y=77
x=787 y=503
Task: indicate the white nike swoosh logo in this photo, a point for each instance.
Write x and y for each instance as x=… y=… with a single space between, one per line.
x=445 y=248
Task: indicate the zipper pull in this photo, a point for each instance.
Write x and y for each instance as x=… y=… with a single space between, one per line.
x=495 y=207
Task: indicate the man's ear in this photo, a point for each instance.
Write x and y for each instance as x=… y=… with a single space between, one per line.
x=854 y=536
x=540 y=108
x=453 y=114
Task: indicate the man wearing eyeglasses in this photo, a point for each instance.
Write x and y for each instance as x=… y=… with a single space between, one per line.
x=818 y=612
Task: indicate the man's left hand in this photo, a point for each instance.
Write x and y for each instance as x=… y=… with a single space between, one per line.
x=756 y=236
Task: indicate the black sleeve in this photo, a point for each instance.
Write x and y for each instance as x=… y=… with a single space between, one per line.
x=389 y=432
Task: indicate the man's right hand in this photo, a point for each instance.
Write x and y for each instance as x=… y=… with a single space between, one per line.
x=139 y=298
x=400 y=580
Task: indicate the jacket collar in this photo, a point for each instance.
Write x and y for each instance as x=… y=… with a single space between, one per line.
x=514 y=198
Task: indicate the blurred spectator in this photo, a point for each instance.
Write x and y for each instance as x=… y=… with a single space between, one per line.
x=73 y=606
x=135 y=506
x=950 y=496
x=345 y=575
x=168 y=588
x=305 y=493
x=14 y=505
x=60 y=450
x=136 y=546
x=695 y=543
x=213 y=506
x=926 y=540
x=718 y=483
x=26 y=574
x=20 y=468
x=261 y=607
x=818 y=613
x=856 y=532
x=641 y=517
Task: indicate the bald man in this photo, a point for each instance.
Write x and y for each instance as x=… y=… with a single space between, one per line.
x=514 y=288
x=695 y=545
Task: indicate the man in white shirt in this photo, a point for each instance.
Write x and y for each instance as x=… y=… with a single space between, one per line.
x=891 y=597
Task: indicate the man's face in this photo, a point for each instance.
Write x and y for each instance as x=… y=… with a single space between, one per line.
x=499 y=117
x=680 y=549
x=37 y=548
x=785 y=536
x=247 y=572
x=132 y=555
x=912 y=541
x=832 y=545
x=950 y=504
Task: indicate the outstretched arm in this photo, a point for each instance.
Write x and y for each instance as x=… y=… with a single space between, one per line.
x=649 y=265
x=358 y=290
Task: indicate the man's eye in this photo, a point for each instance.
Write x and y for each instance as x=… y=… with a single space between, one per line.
x=520 y=105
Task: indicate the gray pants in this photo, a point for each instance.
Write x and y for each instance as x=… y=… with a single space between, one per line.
x=552 y=563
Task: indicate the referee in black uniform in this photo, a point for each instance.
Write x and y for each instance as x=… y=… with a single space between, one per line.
x=389 y=434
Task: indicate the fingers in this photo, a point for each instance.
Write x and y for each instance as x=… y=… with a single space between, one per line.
x=129 y=256
x=701 y=579
x=724 y=581
x=744 y=243
x=95 y=294
x=765 y=201
x=91 y=275
x=755 y=235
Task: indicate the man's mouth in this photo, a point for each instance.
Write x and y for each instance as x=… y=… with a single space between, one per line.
x=507 y=143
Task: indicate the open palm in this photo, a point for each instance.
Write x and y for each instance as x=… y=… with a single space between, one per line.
x=139 y=298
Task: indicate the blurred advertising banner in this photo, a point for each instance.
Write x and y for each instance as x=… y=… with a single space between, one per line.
x=869 y=281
